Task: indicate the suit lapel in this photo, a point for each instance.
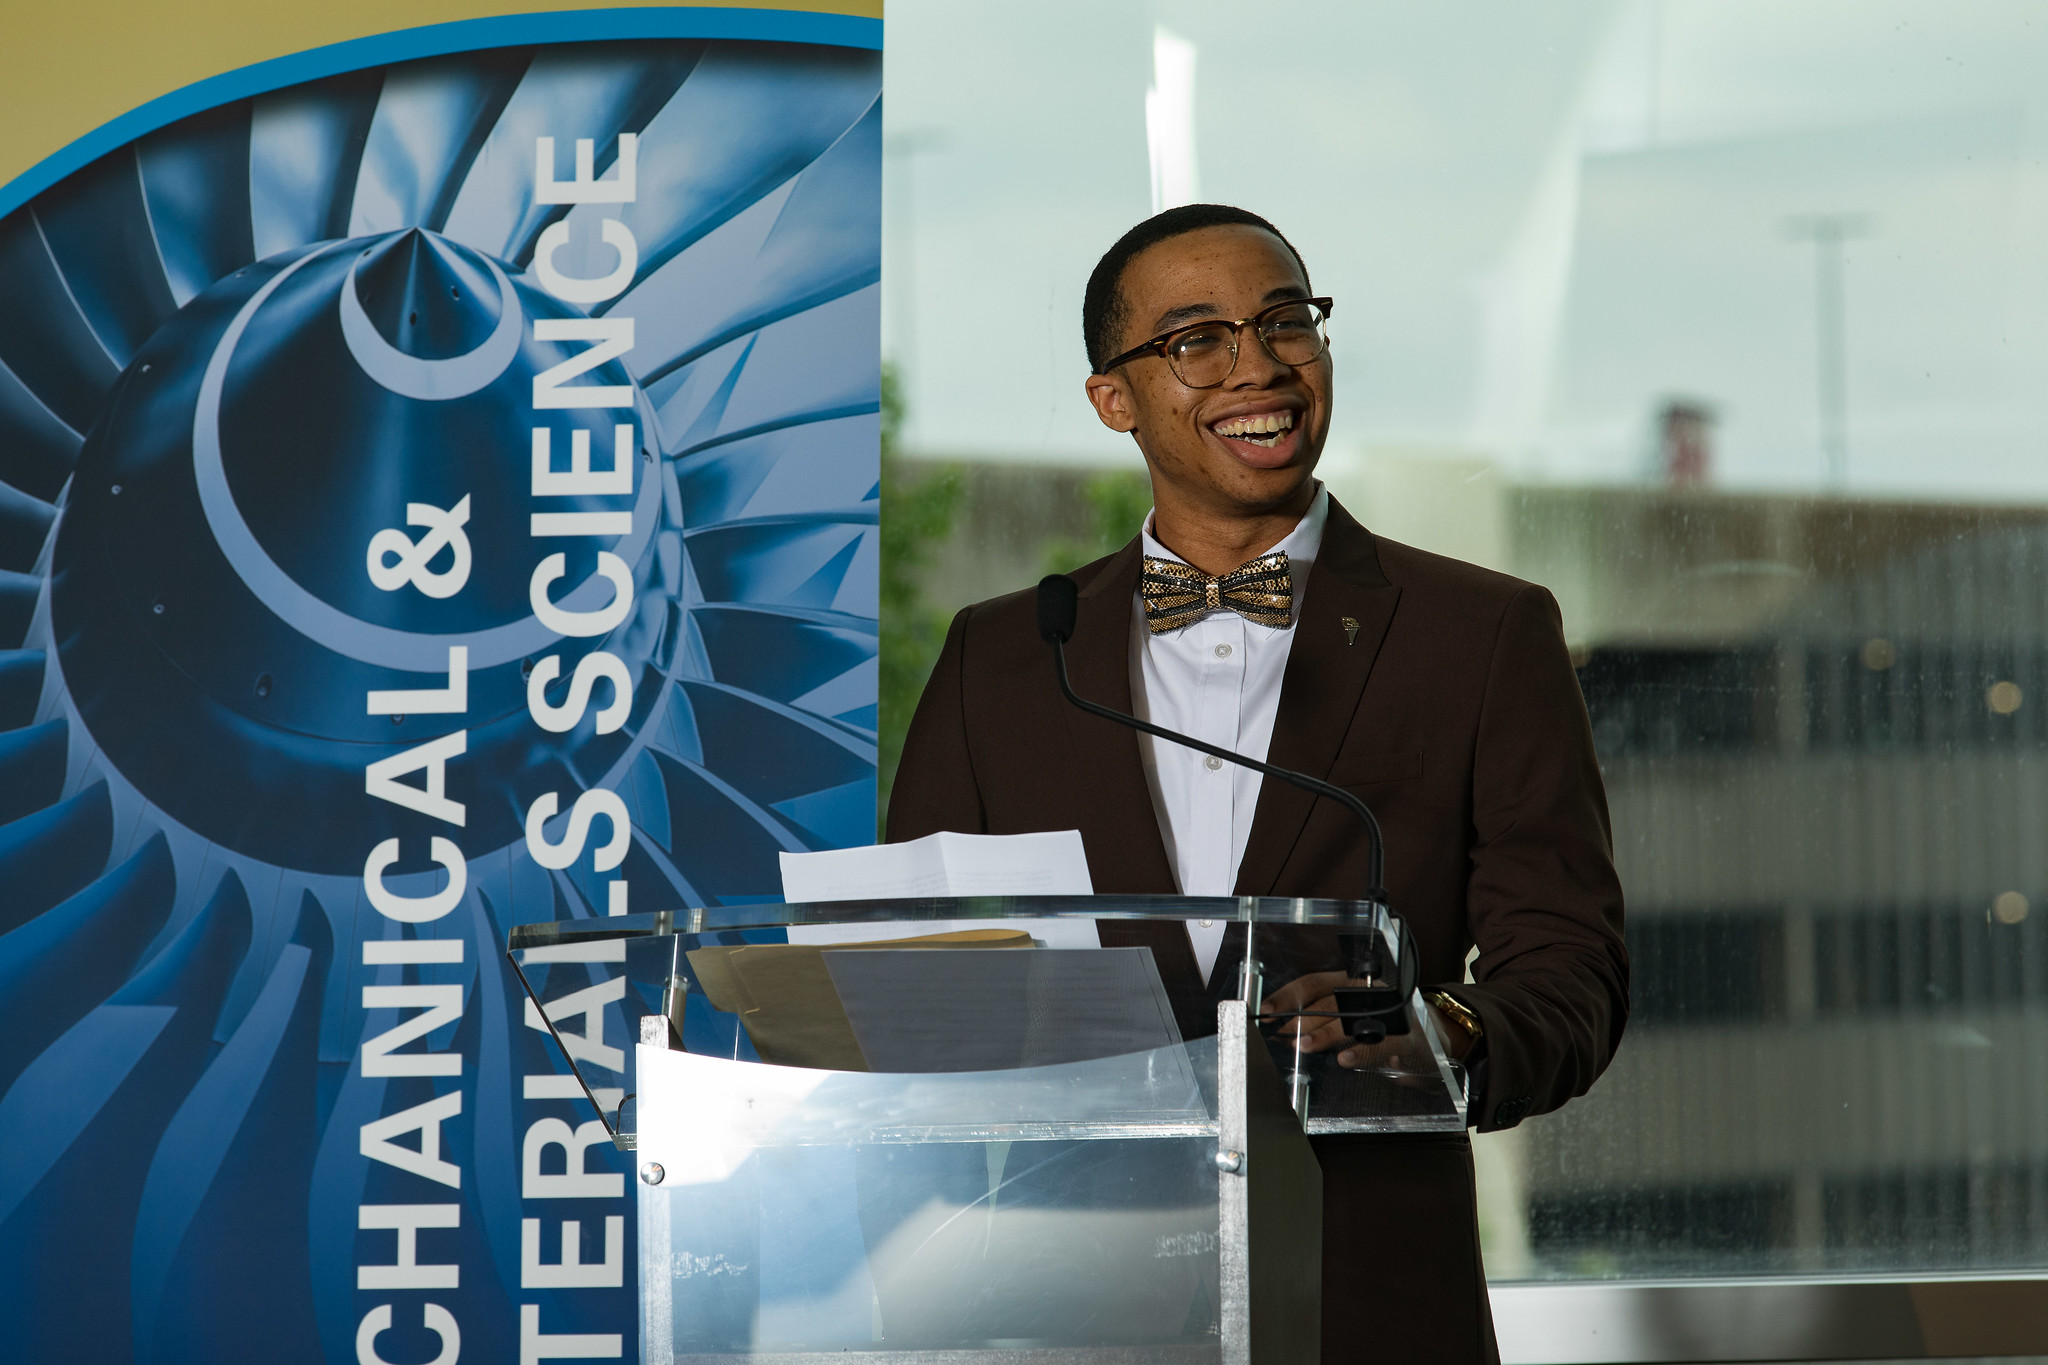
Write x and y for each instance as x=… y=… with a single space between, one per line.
x=1103 y=757
x=1326 y=674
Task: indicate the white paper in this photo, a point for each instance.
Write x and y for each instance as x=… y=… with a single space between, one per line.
x=1070 y=931
x=1207 y=937
x=944 y=864
x=1052 y=864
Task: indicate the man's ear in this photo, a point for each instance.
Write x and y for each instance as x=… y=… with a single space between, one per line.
x=1112 y=401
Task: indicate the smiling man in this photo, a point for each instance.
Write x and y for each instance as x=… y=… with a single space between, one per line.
x=1253 y=612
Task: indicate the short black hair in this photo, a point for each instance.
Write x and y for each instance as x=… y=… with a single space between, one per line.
x=1103 y=309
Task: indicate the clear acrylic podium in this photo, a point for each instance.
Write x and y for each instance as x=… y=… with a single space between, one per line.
x=987 y=1131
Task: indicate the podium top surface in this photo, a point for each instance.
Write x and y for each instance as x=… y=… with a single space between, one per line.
x=1257 y=910
x=995 y=1028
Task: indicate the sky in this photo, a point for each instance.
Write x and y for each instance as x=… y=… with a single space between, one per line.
x=1540 y=220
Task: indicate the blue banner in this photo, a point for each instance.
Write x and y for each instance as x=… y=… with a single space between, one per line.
x=437 y=493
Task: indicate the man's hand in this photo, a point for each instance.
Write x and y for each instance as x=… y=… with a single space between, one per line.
x=1307 y=997
x=1311 y=993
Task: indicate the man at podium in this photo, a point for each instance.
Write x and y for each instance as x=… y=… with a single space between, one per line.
x=1254 y=613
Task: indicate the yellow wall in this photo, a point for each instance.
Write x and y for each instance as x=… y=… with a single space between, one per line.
x=68 y=66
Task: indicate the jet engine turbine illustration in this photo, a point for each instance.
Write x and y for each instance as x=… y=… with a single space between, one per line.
x=210 y=601
x=234 y=352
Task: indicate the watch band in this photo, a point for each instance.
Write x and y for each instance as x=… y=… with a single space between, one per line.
x=1456 y=1011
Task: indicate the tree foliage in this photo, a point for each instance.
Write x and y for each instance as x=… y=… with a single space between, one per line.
x=1117 y=503
x=917 y=517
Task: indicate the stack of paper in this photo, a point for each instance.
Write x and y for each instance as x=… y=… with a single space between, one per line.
x=944 y=865
x=1050 y=864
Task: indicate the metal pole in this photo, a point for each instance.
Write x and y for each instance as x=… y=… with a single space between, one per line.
x=1833 y=383
x=1828 y=232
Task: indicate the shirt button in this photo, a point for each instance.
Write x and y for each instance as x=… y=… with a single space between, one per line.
x=1212 y=763
x=1223 y=651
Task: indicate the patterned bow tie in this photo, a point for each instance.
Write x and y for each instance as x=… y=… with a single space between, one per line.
x=1177 y=594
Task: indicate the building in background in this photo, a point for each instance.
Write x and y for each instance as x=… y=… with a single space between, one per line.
x=1823 y=724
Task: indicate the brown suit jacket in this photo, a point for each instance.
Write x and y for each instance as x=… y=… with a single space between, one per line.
x=1456 y=716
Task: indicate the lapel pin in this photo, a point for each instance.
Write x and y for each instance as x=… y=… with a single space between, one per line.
x=1350 y=630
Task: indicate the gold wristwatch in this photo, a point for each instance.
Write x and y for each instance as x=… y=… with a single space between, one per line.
x=1454 y=1010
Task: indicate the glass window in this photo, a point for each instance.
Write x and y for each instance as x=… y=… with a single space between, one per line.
x=1727 y=320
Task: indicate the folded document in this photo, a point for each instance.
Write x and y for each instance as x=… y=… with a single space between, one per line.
x=944 y=864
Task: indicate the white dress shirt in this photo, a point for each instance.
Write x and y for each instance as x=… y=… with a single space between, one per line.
x=1217 y=679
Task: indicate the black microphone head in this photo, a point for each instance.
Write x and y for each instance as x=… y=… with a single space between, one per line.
x=1058 y=604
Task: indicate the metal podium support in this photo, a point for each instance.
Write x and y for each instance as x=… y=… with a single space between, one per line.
x=1270 y=1206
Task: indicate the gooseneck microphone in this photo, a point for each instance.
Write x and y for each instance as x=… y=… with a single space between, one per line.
x=1058 y=609
x=1370 y=1012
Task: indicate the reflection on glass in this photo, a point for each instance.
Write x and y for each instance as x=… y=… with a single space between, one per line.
x=1067 y=1205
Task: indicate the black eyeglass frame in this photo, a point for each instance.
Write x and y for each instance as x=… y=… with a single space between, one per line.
x=1158 y=345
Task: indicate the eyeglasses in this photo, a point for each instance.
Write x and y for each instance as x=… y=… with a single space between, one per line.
x=1203 y=354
